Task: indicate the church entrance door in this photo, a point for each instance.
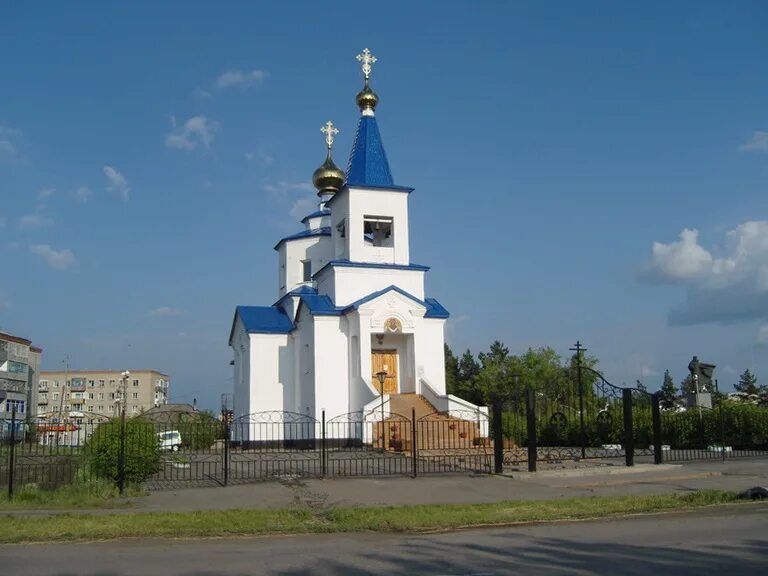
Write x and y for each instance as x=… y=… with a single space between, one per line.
x=384 y=360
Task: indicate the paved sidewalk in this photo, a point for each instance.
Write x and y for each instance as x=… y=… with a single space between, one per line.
x=736 y=475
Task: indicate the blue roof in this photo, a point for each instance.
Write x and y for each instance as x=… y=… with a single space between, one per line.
x=264 y=319
x=368 y=164
x=324 y=231
x=434 y=308
x=317 y=214
x=320 y=305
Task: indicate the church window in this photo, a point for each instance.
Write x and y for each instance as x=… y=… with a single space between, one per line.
x=306 y=267
x=378 y=229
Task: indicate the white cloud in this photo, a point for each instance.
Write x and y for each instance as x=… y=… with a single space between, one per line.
x=45 y=193
x=233 y=78
x=261 y=155
x=679 y=261
x=83 y=194
x=59 y=259
x=762 y=334
x=196 y=130
x=202 y=94
x=726 y=288
x=284 y=187
x=9 y=150
x=116 y=182
x=758 y=143
x=163 y=311
x=303 y=206
x=33 y=221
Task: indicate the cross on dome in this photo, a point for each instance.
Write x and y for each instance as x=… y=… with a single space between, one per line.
x=330 y=131
x=366 y=58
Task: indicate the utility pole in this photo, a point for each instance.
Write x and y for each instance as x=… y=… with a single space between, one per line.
x=579 y=349
x=65 y=361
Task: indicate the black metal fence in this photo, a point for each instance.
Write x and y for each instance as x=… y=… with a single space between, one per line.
x=199 y=450
x=588 y=420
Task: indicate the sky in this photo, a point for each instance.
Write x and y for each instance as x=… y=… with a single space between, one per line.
x=592 y=171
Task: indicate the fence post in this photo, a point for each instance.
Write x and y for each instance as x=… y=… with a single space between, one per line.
x=12 y=452
x=656 y=416
x=498 y=438
x=530 y=413
x=227 y=434
x=629 y=440
x=121 y=454
x=323 y=453
x=414 y=449
x=722 y=418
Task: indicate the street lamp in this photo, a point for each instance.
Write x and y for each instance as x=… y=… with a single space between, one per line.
x=121 y=464
x=381 y=376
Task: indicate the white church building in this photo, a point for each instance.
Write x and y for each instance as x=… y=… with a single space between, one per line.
x=352 y=308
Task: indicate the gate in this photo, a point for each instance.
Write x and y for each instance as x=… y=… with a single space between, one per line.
x=374 y=443
x=453 y=441
x=275 y=445
x=192 y=449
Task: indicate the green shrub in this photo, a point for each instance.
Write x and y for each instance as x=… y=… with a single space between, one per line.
x=142 y=450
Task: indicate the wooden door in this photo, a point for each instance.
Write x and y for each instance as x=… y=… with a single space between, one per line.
x=384 y=360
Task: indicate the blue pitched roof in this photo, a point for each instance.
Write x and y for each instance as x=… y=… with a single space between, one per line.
x=264 y=319
x=434 y=308
x=368 y=164
x=324 y=231
x=317 y=214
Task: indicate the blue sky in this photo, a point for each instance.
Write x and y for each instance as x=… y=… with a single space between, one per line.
x=151 y=155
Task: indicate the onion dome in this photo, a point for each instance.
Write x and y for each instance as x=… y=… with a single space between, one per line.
x=367 y=99
x=328 y=178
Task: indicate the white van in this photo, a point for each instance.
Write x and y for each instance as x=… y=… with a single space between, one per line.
x=170 y=440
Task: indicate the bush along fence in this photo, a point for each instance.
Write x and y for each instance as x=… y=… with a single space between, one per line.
x=590 y=418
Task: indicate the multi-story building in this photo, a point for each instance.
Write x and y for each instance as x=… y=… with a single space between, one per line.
x=19 y=374
x=100 y=392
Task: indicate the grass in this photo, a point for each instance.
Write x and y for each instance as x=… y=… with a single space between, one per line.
x=87 y=494
x=326 y=520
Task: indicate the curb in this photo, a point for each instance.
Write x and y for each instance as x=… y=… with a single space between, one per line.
x=597 y=471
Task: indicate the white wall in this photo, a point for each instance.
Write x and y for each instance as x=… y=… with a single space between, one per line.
x=351 y=284
x=331 y=366
x=351 y=205
x=430 y=352
x=318 y=249
x=304 y=364
x=241 y=378
x=270 y=371
x=377 y=203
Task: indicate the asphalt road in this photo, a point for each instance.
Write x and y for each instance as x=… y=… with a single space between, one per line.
x=731 y=540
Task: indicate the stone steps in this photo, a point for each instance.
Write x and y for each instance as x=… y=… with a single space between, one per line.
x=434 y=430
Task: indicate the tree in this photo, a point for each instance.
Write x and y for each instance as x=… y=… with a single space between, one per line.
x=451 y=372
x=747 y=383
x=687 y=386
x=668 y=392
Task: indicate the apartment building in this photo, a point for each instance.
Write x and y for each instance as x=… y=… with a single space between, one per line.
x=19 y=375
x=100 y=391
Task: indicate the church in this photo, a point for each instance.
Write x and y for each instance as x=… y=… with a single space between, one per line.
x=352 y=330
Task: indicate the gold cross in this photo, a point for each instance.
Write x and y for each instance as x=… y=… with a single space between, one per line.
x=367 y=59
x=330 y=131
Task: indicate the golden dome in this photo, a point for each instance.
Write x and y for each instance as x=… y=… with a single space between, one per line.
x=328 y=178
x=367 y=98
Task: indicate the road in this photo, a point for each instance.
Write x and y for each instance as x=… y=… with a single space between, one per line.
x=730 y=540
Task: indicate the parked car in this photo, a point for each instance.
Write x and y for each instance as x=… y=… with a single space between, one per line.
x=170 y=440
